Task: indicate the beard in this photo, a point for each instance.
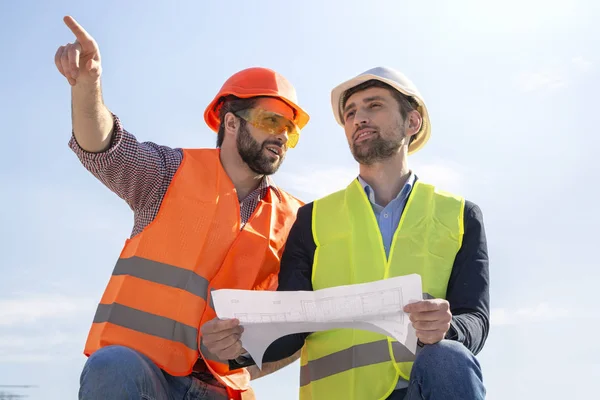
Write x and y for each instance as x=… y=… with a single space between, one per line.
x=378 y=148
x=253 y=153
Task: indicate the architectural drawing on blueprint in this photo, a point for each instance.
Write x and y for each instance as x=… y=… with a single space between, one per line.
x=261 y=317
x=350 y=307
x=374 y=306
x=353 y=307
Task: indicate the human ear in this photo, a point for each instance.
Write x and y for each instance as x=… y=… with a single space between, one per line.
x=231 y=124
x=415 y=121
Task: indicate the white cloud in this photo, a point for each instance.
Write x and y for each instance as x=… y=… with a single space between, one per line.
x=32 y=358
x=444 y=175
x=33 y=308
x=542 y=80
x=40 y=347
x=554 y=77
x=582 y=64
x=319 y=180
x=542 y=312
x=27 y=341
x=43 y=328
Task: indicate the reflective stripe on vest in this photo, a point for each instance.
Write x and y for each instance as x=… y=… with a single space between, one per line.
x=164 y=274
x=158 y=296
x=358 y=364
x=356 y=356
x=148 y=323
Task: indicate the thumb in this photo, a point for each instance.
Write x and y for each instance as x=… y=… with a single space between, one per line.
x=94 y=68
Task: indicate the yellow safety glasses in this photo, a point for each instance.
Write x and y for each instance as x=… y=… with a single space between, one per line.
x=271 y=122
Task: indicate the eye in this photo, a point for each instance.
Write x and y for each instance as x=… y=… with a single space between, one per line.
x=269 y=121
x=349 y=114
x=374 y=105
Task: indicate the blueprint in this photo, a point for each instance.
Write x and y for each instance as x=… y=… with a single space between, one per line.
x=375 y=306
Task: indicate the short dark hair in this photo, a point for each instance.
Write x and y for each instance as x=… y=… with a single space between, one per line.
x=406 y=103
x=231 y=104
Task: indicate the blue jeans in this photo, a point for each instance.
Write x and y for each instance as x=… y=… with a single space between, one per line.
x=118 y=372
x=445 y=370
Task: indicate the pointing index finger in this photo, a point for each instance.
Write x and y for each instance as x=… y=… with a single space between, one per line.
x=81 y=34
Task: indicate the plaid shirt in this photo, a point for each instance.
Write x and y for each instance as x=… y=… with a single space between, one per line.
x=140 y=174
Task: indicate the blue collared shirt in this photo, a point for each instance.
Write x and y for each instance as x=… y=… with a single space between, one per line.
x=388 y=217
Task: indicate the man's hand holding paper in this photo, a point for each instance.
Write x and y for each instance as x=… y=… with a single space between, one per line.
x=222 y=338
x=266 y=316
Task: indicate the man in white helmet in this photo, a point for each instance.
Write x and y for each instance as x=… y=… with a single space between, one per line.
x=388 y=223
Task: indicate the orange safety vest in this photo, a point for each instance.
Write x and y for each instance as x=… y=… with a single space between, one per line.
x=158 y=296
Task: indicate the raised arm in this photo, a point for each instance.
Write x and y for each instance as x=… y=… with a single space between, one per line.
x=79 y=62
x=137 y=172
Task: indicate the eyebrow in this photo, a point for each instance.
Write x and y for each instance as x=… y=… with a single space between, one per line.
x=367 y=100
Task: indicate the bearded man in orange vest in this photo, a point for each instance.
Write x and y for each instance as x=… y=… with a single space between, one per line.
x=204 y=219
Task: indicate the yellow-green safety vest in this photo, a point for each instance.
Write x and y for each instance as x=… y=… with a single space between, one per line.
x=357 y=364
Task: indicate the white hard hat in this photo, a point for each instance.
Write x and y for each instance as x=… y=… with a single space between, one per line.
x=398 y=81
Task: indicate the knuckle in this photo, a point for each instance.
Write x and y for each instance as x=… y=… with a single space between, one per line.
x=231 y=340
x=227 y=354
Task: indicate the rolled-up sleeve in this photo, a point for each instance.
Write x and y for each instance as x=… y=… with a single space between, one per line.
x=136 y=171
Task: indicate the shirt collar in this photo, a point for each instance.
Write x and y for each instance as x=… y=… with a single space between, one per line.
x=404 y=192
x=268 y=182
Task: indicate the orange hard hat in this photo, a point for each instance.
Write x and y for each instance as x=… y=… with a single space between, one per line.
x=252 y=82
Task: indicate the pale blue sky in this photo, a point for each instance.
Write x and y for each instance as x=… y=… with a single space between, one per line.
x=511 y=88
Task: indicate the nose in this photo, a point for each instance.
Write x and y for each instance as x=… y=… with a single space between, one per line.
x=283 y=137
x=360 y=118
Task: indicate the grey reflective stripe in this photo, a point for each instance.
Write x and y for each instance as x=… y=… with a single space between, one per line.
x=401 y=353
x=357 y=356
x=207 y=354
x=150 y=324
x=353 y=357
x=164 y=274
